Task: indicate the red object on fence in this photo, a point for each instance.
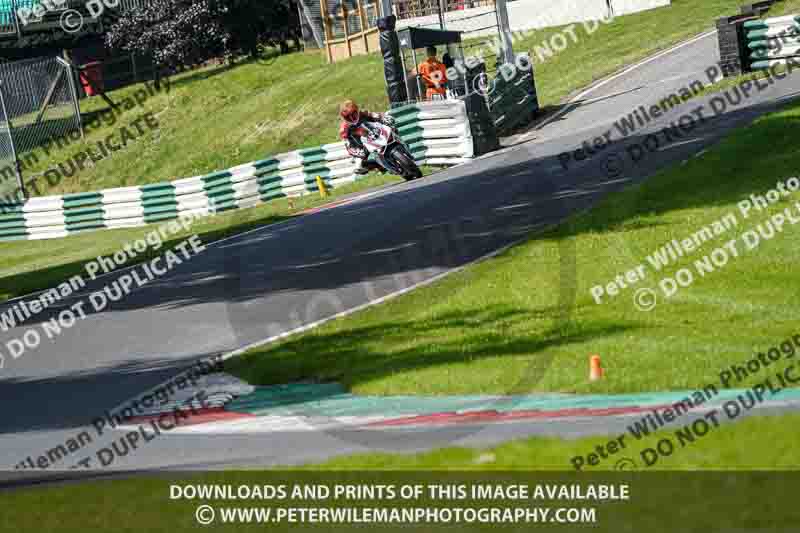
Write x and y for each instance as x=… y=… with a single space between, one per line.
x=92 y=78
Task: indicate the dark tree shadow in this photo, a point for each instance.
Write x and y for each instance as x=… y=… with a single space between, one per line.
x=418 y=230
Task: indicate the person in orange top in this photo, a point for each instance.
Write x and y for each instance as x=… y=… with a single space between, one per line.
x=434 y=75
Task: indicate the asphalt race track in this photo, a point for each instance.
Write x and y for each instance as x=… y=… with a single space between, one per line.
x=279 y=278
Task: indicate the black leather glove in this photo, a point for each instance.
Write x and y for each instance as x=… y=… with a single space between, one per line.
x=389 y=120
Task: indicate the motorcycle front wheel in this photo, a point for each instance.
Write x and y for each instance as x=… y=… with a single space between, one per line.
x=407 y=164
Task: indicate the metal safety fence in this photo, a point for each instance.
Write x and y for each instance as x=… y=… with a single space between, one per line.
x=40 y=104
x=51 y=20
x=20 y=16
x=475 y=18
x=10 y=182
x=8 y=9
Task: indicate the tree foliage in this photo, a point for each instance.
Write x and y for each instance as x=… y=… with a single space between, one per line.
x=185 y=32
x=261 y=22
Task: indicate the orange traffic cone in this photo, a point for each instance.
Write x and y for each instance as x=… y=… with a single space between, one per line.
x=595 y=368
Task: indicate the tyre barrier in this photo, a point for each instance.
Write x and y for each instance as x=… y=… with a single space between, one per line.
x=772 y=41
x=512 y=97
x=437 y=133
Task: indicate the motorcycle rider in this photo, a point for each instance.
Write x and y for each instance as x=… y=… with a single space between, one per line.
x=351 y=130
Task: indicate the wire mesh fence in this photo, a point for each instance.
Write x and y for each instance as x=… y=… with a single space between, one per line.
x=10 y=190
x=8 y=22
x=477 y=21
x=40 y=105
x=349 y=17
x=474 y=18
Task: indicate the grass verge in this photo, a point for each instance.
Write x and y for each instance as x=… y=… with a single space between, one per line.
x=219 y=117
x=765 y=443
x=498 y=327
x=28 y=266
x=706 y=501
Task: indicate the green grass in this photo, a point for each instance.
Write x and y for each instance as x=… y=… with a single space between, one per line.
x=789 y=7
x=218 y=117
x=783 y=8
x=701 y=502
x=628 y=39
x=766 y=443
x=27 y=266
x=501 y=327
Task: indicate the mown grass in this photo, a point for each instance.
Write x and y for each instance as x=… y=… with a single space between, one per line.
x=27 y=266
x=783 y=8
x=765 y=443
x=219 y=117
x=502 y=326
x=788 y=7
x=699 y=502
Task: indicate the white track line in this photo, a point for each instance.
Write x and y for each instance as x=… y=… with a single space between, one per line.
x=309 y=265
x=370 y=303
x=277 y=424
x=642 y=63
x=307 y=327
x=675 y=145
x=512 y=207
x=273 y=226
x=387 y=250
x=373 y=193
x=440 y=276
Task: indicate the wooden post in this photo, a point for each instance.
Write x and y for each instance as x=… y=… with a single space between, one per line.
x=326 y=29
x=17 y=166
x=133 y=67
x=49 y=97
x=362 y=14
x=504 y=26
x=346 y=29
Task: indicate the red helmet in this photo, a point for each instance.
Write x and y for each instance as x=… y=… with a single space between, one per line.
x=349 y=112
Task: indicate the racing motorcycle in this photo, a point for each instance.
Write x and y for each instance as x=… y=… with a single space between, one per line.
x=387 y=149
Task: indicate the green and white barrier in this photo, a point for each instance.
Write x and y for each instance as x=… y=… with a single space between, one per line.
x=438 y=133
x=772 y=41
x=512 y=98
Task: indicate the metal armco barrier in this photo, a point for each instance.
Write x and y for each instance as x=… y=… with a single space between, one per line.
x=772 y=41
x=438 y=133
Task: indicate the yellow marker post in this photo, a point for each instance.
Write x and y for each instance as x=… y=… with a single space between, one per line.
x=323 y=189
